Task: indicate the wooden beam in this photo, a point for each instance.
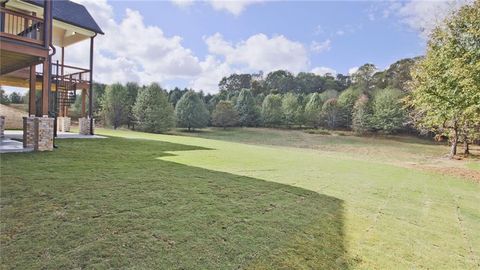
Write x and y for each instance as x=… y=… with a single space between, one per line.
x=32 y=108
x=21 y=48
x=45 y=87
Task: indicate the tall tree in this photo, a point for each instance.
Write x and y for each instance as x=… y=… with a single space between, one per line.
x=313 y=110
x=445 y=86
x=235 y=82
x=132 y=92
x=224 y=115
x=331 y=113
x=346 y=101
x=292 y=109
x=115 y=105
x=272 y=110
x=4 y=97
x=362 y=116
x=363 y=77
x=388 y=111
x=152 y=110
x=191 y=112
x=280 y=81
x=16 y=98
x=246 y=108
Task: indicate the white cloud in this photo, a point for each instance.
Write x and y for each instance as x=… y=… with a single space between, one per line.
x=259 y=52
x=212 y=72
x=423 y=16
x=352 y=70
x=183 y=3
x=236 y=7
x=340 y=33
x=120 y=57
x=130 y=50
x=324 y=70
x=319 y=47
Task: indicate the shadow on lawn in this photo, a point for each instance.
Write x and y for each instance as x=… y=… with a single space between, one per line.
x=112 y=204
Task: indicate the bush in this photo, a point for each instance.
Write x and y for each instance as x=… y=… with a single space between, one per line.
x=152 y=111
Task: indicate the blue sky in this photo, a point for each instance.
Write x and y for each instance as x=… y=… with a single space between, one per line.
x=194 y=44
x=355 y=38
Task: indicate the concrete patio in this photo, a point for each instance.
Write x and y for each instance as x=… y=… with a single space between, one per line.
x=12 y=140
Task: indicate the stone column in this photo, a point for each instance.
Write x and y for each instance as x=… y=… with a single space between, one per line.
x=84 y=124
x=63 y=124
x=28 y=132
x=2 y=126
x=43 y=127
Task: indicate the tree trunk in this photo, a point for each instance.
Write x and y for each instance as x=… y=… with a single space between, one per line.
x=466 y=147
x=453 y=150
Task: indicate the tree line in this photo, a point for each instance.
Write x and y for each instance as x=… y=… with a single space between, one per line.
x=437 y=94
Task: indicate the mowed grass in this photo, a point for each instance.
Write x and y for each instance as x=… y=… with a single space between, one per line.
x=114 y=203
x=195 y=203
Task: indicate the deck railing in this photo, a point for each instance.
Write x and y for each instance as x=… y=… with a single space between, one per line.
x=19 y=26
x=71 y=74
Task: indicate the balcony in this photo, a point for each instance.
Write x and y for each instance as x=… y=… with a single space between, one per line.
x=21 y=27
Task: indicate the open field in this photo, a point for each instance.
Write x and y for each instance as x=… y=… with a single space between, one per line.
x=247 y=199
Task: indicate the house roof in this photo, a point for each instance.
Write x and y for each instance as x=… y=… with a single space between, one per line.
x=71 y=13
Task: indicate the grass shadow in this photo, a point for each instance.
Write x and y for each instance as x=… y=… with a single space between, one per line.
x=113 y=204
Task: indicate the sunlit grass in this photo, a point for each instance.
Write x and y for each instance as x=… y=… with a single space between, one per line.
x=188 y=202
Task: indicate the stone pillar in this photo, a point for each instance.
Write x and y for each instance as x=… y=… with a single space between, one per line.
x=43 y=127
x=84 y=124
x=63 y=124
x=2 y=126
x=28 y=132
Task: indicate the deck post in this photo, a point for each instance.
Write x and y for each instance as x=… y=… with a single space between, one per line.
x=47 y=34
x=84 y=102
x=90 y=92
x=32 y=107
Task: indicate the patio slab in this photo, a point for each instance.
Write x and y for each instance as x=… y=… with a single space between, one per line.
x=18 y=135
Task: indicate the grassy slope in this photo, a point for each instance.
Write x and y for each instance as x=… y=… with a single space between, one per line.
x=112 y=203
x=394 y=217
x=209 y=208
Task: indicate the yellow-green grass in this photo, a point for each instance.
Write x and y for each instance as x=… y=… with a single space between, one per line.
x=181 y=202
x=395 y=217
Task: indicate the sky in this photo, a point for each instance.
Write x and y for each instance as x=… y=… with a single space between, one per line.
x=195 y=43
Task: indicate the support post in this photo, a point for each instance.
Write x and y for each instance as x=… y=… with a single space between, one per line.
x=47 y=34
x=84 y=101
x=63 y=108
x=90 y=92
x=32 y=108
x=45 y=87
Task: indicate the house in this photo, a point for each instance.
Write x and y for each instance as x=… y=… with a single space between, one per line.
x=31 y=32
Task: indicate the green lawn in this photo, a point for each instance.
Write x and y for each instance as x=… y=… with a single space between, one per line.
x=194 y=203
